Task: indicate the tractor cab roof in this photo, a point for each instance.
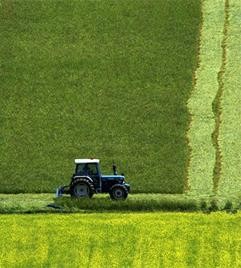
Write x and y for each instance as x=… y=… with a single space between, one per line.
x=82 y=161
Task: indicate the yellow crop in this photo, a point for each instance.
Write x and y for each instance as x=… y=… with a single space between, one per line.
x=120 y=240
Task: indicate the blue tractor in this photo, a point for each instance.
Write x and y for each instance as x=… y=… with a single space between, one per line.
x=88 y=180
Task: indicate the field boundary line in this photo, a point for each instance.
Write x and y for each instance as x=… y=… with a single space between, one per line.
x=202 y=125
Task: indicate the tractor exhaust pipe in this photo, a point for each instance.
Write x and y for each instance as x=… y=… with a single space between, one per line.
x=114 y=169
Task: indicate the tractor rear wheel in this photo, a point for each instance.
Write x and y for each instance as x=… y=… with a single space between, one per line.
x=118 y=192
x=81 y=188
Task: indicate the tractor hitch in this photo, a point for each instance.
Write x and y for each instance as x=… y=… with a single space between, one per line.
x=62 y=190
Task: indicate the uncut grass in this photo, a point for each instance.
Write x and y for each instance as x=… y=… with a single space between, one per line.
x=151 y=202
x=230 y=129
x=121 y=240
x=137 y=202
x=200 y=104
x=46 y=203
x=104 y=79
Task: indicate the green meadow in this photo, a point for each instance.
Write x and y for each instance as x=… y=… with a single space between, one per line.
x=214 y=133
x=230 y=128
x=203 y=123
x=104 y=79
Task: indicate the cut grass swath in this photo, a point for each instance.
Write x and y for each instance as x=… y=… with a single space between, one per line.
x=202 y=162
x=230 y=128
x=217 y=103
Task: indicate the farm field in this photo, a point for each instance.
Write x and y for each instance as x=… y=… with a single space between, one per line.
x=214 y=134
x=230 y=127
x=121 y=240
x=153 y=85
x=202 y=160
x=104 y=79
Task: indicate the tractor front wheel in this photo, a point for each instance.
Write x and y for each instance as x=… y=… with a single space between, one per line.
x=118 y=192
x=81 y=188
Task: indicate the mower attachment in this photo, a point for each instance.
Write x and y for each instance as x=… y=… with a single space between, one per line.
x=62 y=190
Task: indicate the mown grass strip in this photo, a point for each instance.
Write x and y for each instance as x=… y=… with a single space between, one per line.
x=25 y=203
x=202 y=162
x=230 y=128
x=217 y=103
x=120 y=240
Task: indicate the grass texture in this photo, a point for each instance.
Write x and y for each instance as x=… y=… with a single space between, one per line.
x=120 y=240
x=46 y=203
x=104 y=79
x=146 y=203
x=217 y=103
x=38 y=203
x=230 y=128
x=25 y=203
x=202 y=126
x=134 y=203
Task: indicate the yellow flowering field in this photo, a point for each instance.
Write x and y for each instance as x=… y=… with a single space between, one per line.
x=120 y=240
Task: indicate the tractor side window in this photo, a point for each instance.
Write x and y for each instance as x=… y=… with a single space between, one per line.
x=80 y=169
x=93 y=169
x=87 y=169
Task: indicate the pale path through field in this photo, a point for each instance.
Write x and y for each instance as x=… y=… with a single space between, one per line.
x=230 y=129
x=202 y=162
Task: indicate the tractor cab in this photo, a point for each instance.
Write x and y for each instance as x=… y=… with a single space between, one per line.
x=90 y=168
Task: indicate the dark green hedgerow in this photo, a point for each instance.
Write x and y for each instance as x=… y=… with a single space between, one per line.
x=104 y=79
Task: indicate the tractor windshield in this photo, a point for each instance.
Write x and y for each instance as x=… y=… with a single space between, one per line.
x=87 y=169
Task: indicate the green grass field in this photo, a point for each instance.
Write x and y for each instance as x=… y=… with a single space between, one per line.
x=202 y=125
x=151 y=85
x=214 y=134
x=230 y=128
x=104 y=79
x=121 y=240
